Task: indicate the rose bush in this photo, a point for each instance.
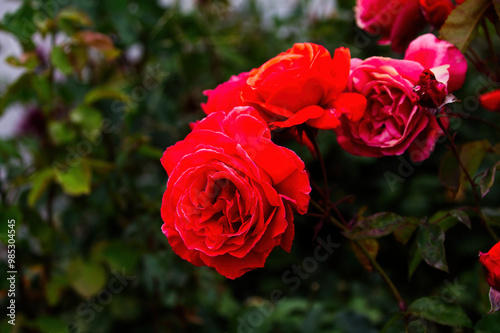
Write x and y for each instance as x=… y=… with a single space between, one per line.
x=304 y=85
x=231 y=193
x=392 y=123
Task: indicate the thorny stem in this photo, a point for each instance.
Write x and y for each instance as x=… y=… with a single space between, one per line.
x=486 y=122
x=454 y=151
x=373 y=261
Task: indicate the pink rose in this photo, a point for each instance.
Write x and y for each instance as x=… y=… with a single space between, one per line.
x=392 y=123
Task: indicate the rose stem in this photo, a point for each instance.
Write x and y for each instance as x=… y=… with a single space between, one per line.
x=484 y=121
x=314 y=141
x=326 y=192
x=480 y=65
x=473 y=185
x=373 y=261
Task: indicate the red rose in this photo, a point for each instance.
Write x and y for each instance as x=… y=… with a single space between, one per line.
x=304 y=85
x=436 y=11
x=491 y=263
x=491 y=100
x=396 y=21
x=225 y=96
x=231 y=193
x=429 y=92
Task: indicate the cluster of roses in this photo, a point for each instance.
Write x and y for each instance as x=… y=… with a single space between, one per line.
x=232 y=191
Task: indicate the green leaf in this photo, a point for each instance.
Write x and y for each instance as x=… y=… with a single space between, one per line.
x=488 y=324
x=28 y=60
x=21 y=24
x=100 y=93
x=472 y=155
x=434 y=309
x=487 y=179
x=120 y=257
x=86 y=278
x=405 y=230
x=60 y=60
x=395 y=325
x=55 y=288
x=100 y=166
x=69 y=20
x=377 y=225
x=40 y=180
x=75 y=180
x=48 y=324
x=150 y=151
x=86 y=116
x=462 y=217
x=461 y=25
x=41 y=86
x=430 y=241
x=61 y=133
x=443 y=219
x=492 y=215
x=18 y=91
x=372 y=246
x=415 y=260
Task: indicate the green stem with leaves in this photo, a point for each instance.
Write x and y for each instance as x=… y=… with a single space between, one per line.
x=373 y=261
x=454 y=151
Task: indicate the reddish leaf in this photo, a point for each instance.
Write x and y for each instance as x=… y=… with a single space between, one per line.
x=405 y=231
x=487 y=179
x=374 y=226
x=372 y=246
x=430 y=241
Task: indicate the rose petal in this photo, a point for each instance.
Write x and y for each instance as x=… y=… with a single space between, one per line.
x=431 y=52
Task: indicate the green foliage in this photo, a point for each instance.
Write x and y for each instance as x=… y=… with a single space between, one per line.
x=461 y=26
x=85 y=186
x=436 y=310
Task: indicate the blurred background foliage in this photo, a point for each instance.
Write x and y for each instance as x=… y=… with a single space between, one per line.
x=106 y=86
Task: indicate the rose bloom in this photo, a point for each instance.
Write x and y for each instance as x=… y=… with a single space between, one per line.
x=304 y=85
x=225 y=96
x=491 y=100
x=491 y=263
x=399 y=21
x=392 y=123
x=429 y=92
x=437 y=11
x=231 y=193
